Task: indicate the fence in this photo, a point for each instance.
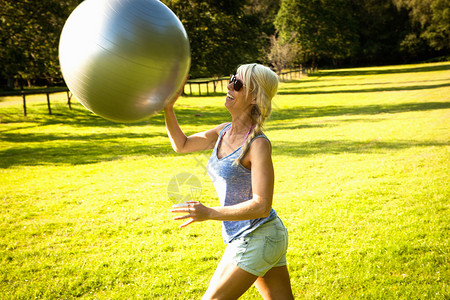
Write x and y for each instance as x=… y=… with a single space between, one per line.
x=206 y=87
x=219 y=86
x=47 y=92
x=192 y=88
x=294 y=74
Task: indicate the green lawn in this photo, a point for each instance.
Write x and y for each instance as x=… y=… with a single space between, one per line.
x=362 y=162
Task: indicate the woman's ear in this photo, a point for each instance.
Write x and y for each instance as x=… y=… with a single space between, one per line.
x=253 y=101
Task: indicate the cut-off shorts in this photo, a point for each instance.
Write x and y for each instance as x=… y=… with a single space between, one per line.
x=260 y=250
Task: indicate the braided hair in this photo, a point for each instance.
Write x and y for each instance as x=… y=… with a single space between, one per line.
x=262 y=85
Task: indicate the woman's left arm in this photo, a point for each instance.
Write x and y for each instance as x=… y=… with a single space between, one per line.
x=260 y=158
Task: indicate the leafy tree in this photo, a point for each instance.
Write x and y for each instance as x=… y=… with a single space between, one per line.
x=281 y=53
x=438 y=32
x=30 y=36
x=430 y=21
x=221 y=35
x=226 y=33
x=325 y=28
x=381 y=29
x=266 y=11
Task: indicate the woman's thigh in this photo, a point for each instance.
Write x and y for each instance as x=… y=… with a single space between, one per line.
x=229 y=282
x=275 y=284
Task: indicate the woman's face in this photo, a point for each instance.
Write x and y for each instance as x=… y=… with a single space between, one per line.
x=237 y=100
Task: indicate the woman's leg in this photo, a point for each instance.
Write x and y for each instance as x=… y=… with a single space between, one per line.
x=229 y=282
x=275 y=285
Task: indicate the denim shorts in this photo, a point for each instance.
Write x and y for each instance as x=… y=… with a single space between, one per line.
x=260 y=250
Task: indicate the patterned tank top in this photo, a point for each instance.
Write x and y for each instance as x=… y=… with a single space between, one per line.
x=233 y=185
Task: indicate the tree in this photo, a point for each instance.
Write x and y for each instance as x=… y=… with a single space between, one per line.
x=281 y=53
x=226 y=33
x=430 y=20
x=221 y=35
x=30 y=36
x=381 y=29
x=266 y=12
x=325 y=28
x=438 y=32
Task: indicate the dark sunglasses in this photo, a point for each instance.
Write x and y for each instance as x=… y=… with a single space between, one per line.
x=237 y=83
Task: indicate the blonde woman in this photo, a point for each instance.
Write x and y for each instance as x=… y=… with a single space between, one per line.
x=242 y=172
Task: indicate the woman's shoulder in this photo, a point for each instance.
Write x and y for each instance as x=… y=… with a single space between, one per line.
x=221 y=127
x=260 y=143
x=261 y=138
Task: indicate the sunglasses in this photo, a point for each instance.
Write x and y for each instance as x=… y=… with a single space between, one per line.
x=237 y=83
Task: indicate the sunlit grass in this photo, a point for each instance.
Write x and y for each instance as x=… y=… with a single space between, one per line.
x=362 y=182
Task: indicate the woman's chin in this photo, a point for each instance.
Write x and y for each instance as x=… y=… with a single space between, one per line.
x=229 y=101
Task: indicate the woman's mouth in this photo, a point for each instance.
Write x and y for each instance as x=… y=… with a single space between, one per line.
x=230 y=97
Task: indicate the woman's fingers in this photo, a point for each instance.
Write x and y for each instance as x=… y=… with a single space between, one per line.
x=196 y=212
x=180 y=210
x=187 y=223
x=182 y=217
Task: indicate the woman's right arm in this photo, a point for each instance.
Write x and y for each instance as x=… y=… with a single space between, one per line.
x=183 y=144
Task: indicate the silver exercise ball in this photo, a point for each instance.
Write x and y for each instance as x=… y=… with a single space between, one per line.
x=124 y=59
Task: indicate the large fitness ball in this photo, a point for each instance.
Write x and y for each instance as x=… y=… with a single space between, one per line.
x=124 y=59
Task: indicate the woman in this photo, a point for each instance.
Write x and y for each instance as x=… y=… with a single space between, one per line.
x=242 y=172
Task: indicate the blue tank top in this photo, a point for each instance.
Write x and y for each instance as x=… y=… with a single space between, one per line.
x=233 y=185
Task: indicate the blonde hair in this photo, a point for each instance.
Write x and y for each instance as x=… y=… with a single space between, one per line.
x=262 y=84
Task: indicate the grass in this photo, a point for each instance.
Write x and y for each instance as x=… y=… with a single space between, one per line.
x=362 y=182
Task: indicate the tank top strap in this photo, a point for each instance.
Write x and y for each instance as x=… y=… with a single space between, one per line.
x=224 y=129
x=221 y=134
x=262 y=135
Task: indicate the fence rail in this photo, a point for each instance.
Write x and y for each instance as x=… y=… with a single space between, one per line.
x=47 y=92
x=206 y=87
x=191 y=88
x=219 y=85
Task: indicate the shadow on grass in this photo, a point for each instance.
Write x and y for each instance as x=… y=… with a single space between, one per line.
x=78 y=116
x=99 y=151
x=376 y=71
x=319 y=124
x=49 y=137
x=301 y=112
x=346 y=146
x=326 y=84
x=78 y=153
x=38 y=147
x=302 y=91
x=41 y=148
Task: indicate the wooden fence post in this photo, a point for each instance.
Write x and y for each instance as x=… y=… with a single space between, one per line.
x=68 y=100
x=48 y=104
x=24 y=104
